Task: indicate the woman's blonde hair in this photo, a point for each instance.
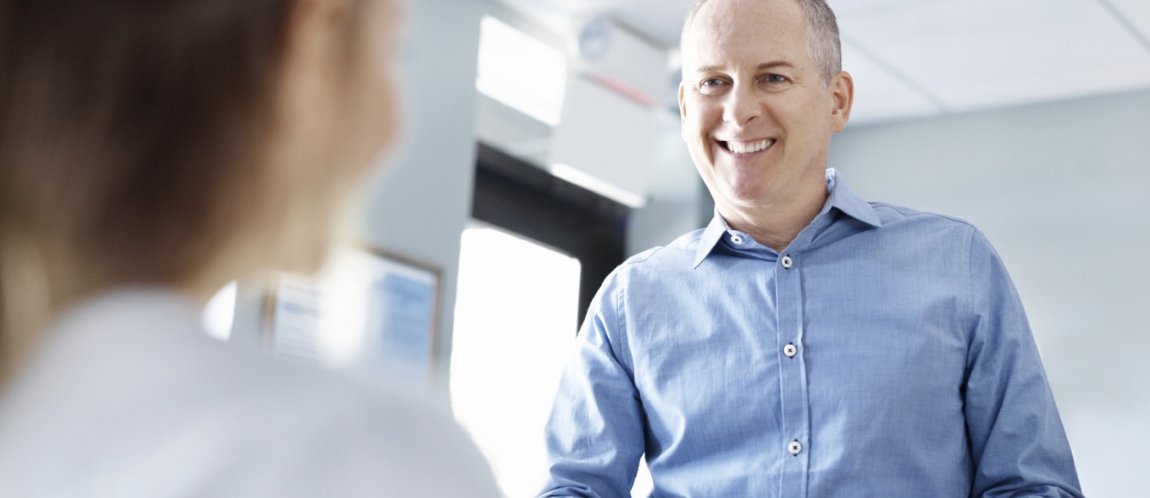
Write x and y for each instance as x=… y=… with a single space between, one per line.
x=135 y=149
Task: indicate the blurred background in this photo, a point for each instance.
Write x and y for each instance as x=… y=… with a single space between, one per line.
x=541 y=147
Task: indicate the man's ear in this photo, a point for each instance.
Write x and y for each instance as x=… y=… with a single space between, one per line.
x=682 y=108
x=842 y=97
x=682 y=112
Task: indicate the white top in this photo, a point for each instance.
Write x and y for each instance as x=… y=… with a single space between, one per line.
x=129 y=398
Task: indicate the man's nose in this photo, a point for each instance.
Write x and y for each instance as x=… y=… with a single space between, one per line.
x=741 y=106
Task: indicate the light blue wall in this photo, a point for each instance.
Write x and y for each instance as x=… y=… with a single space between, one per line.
x=1062 y=191
x=419 y=205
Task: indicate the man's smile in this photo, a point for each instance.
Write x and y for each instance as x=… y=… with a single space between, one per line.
x=745 y=148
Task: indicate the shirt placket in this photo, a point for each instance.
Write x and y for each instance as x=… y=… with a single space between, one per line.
x=794 y=448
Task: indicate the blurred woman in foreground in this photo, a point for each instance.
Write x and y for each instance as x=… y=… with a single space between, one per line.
x=150 y=152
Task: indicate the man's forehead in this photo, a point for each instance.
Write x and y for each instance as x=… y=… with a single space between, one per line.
x=724 y=50
x=726 y=12
x=764 y=30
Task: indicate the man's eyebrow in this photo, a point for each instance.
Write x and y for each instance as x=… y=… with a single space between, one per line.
x=760 y=67
x=774 y=64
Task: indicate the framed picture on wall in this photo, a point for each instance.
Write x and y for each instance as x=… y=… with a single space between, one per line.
x=368 y=308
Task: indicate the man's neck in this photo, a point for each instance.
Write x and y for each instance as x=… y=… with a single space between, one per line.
x=776 y=225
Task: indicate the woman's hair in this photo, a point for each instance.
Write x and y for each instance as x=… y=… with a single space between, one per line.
x=136 y=143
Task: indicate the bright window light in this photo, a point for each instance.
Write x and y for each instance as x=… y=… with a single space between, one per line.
x=220 y=312
x=521 y=71
x=515 y=323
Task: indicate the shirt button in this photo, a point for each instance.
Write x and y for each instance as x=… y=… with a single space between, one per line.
x=787 y=262
x=794 y=447
x=790 y=350
x=736 y=239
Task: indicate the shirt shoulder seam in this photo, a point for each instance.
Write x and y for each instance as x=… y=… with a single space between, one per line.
x=914 y=213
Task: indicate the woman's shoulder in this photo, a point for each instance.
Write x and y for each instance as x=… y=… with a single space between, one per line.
x=334 y=435
x=131 y=387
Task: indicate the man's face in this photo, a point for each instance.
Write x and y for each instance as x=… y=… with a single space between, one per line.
x=756 y=115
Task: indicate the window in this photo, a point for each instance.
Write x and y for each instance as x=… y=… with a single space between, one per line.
x=514 y=322
x=528 y=270
x=220 y=311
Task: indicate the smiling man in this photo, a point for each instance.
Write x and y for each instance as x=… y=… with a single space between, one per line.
x=806 y=343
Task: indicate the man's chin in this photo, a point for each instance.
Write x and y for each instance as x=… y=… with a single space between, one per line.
x=740 y=198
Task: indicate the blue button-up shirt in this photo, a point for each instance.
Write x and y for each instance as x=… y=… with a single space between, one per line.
x=883 y=353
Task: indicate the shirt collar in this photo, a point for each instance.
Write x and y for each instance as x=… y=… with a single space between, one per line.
x=840 y=198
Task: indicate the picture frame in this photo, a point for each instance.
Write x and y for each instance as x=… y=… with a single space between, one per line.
x=368 y=308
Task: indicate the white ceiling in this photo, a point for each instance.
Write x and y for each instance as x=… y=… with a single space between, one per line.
x=917 y=58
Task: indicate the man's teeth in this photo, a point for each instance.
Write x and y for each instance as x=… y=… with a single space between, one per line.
x=749 y=147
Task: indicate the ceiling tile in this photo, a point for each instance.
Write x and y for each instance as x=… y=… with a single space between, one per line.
x=976 y=53
x=879 y=95
x=1137 y=12
x=850 y=7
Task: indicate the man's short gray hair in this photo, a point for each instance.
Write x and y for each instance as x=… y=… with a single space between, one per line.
x=822 y=35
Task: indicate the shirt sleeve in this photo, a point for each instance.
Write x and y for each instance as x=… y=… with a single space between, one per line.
x=595 y=431
x=1017 y=440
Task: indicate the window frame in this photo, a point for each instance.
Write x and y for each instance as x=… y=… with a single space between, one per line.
x=512 y=194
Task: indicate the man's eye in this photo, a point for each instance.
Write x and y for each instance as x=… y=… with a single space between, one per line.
x=775 y=79
x=711 y=84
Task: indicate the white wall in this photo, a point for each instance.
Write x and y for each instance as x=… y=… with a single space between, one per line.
x=1061 y=191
